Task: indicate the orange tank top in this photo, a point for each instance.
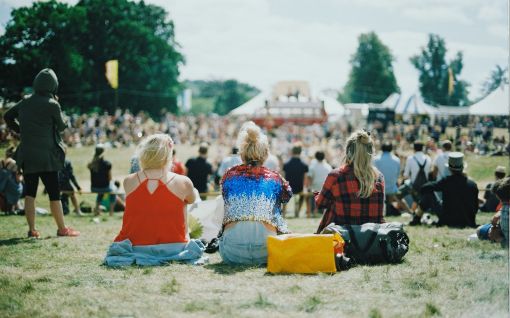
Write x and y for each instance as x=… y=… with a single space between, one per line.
x=153 y=218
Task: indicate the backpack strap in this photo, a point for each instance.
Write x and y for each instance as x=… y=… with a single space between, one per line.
x=355 y=242
x=421 y=166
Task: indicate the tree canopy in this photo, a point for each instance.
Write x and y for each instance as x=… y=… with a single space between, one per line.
x=371 y=78
x=219 y=96
x=497 y=77
x=76 y=41
x=435 y=74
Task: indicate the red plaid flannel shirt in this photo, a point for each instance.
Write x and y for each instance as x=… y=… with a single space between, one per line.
x=339 y=196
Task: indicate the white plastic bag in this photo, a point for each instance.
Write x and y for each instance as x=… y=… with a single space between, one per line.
x=209 y=213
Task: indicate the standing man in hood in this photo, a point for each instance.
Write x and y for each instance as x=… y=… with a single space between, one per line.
x=40 y=154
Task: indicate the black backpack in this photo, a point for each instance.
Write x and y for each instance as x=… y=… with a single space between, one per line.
x=373 y=243
x=421 y=178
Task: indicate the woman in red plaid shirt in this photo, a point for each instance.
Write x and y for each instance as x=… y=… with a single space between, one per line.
x=353 y=193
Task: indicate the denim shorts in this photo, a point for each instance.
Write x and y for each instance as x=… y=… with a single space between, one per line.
x=245 y=243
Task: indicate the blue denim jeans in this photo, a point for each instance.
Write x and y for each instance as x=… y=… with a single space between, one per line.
x=245 y=243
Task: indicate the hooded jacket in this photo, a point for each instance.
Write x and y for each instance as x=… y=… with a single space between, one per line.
x=39 y=121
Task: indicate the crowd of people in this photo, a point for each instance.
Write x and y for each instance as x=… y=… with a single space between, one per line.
x=345 y=181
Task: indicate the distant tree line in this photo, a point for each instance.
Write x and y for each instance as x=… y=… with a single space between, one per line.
x=372 y=79
x=76 y=41
x=219 y=96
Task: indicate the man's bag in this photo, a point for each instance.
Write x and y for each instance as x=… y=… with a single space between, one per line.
x=373 y=243
x=302 y=253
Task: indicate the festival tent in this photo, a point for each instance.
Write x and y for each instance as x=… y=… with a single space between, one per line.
x=446 y=111
x=494 y=104
x=252 y=106
x=333 y=108
x=414 y=105
x=392 y=100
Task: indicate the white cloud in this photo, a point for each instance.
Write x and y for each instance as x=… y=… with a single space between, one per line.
x=498 y=30
x=252 y=42
x=491 y=13
x=436 y=14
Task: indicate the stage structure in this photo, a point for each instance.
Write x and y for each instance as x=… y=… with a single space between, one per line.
x=289 y=102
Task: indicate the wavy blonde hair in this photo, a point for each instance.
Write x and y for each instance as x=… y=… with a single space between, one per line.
x=358 y=153
x=155 y=151
x=252 y=143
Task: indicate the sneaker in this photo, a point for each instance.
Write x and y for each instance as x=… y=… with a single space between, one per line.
x=34 y=234
x=67 y=231
x=213 y=246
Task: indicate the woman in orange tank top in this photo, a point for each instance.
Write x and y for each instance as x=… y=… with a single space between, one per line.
x=154 y=227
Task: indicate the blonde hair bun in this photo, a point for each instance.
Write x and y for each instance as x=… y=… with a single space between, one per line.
x=252 y=134
x=252 y=143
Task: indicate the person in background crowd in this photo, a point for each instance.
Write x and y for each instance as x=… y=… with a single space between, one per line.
x=177 y=166
x=120 y=197
x=134 y=164
x=11 y=185
x=229 y=162
x=460 y=195
x=502 y=190
x=295 y=171
x=253 y=196
x=353 y=193
x=416 y=170
x=100 y=177
x=65 y=178
x=389 y=165
x=272 y=163
x=40 y=155
x=199 y=170
x=154 y=226
x=439 y=166
x=319 y=170
x=491 y=200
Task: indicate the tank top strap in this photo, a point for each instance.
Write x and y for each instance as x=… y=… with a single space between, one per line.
x=171 y=179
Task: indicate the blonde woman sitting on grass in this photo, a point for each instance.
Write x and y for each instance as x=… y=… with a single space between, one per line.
x=253 y=196
x=353 y=193
x=154 y=228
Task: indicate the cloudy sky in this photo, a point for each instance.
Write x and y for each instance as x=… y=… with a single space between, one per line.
x=264 y=41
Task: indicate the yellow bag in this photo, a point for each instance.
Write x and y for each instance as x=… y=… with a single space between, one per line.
x=303 y=253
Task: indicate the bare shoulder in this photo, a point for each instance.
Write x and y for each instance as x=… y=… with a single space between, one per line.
x=130 y=183
x=183 y=181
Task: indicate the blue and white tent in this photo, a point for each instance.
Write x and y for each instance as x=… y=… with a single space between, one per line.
x=408 y=105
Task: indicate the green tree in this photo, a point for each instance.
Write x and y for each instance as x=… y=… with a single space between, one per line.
x=219 y=96
x=497 y=77
x=435 y=75
x=37 y=37
x=77 y=41
x=371 y=78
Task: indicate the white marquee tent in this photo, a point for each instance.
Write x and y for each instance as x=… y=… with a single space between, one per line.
x=332 y=107
x=250 y=107
x=408 y=105
x=494 y=104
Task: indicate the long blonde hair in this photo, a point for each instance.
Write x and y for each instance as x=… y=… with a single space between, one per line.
x=358 y=153
x=155 y=151
x=252 y=143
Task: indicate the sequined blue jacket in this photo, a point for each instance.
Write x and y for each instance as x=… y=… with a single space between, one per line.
x=254 y=193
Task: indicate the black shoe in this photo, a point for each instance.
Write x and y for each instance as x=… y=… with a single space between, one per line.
x=415 y=221
x=213 y=246
x=342 y=262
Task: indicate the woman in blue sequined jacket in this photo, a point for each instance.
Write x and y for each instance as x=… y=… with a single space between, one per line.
x=253 y=196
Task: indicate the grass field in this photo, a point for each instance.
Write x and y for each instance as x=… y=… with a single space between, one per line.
x=442 y=275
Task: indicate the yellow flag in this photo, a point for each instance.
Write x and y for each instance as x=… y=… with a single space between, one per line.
x=112 y=73
x=450 y=82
